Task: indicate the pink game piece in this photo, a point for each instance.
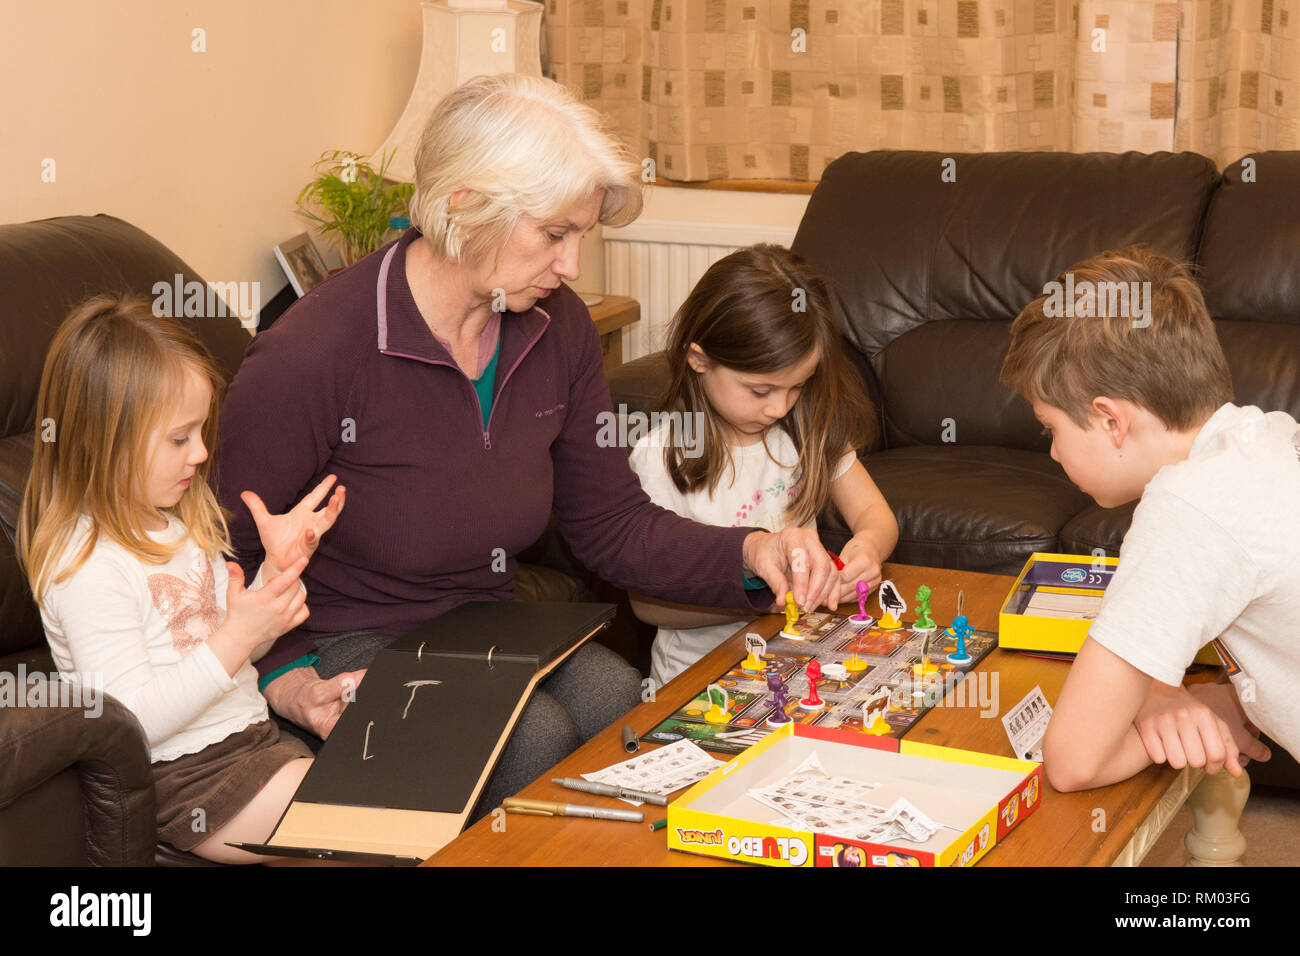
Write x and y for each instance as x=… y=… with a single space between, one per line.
x=864 y=589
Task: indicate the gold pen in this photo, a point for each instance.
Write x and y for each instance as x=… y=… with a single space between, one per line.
x=545 y=808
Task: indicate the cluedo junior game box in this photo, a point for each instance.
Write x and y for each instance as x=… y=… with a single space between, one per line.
x=812 y=796
x=1054 y=602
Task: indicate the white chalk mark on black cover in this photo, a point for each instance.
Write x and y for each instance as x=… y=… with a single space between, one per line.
x=415 y=685
x=365 y=750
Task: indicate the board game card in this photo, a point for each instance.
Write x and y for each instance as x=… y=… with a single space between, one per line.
x=660 y=771
x=1026 y=724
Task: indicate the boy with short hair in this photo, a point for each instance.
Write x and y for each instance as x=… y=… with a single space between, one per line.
x=1138 y=404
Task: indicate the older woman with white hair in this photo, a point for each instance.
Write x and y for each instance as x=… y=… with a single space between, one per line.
x=455 y=385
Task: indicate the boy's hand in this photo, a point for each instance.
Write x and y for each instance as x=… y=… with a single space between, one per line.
x=1223 y=700
x=263 y=615
x=297 y=533
x=860 y=563
x=1178 y=728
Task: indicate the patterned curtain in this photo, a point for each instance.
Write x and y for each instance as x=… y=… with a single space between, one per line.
x=776 y=89
x=1238 y=78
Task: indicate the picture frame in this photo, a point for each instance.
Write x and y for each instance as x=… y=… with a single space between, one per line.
x=302 y=263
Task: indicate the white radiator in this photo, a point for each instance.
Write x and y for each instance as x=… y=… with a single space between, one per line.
x=658 y=261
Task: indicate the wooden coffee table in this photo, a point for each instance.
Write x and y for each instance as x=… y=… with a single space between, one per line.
x=1113 y=825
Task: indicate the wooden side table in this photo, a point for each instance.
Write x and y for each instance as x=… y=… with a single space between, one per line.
x=611 y=315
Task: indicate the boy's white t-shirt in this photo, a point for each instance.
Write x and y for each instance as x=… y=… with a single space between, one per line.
x=755 y=494
x=139 y=631
x=1214 y=552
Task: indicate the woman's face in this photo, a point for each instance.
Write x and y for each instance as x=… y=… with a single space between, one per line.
x=538 y=255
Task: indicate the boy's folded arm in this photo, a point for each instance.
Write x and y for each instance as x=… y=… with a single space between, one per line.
x=666 y=614
x=1091 y=740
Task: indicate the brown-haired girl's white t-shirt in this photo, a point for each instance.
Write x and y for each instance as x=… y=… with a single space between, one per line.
x=139 y=631
x=757 y=494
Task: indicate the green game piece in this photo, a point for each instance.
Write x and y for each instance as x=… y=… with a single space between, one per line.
x=923 y=620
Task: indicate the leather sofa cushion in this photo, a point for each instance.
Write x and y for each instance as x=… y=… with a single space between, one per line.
x=902 y=247
x=974 y=508
x=1264 y=358
x=26 y=836
x=1248 y=247
x=940 y=382
x=638 y=384
x=1097 y=527
x=20 y=620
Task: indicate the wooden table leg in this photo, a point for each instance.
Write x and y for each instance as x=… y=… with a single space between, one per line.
x=1214 y=839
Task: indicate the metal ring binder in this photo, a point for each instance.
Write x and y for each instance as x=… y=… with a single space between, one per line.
x=420 y=651
x=490 y=652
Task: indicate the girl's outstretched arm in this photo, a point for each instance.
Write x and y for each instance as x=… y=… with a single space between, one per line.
x=875 y=530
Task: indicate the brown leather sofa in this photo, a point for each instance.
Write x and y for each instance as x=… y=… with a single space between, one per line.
x=78 y=790
x=927 y=275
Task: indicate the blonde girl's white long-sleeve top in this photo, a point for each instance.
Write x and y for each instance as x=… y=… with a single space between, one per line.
x=140 y=632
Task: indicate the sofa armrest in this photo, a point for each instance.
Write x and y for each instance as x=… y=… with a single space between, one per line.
x=638 y=384
x=111 y=759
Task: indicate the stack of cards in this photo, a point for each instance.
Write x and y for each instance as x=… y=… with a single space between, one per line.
x=824 y=804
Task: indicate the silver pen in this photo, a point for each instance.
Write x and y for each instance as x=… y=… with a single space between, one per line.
x=611 y=790
x=545 y=808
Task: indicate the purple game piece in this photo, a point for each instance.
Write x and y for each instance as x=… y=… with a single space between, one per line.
x=779 y=700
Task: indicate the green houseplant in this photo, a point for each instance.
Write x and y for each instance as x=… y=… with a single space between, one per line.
x=355 y=204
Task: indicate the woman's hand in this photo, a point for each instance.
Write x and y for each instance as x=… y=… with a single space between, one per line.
x=860 y=563
x=794 y=560
x=313 y=704
x=296 y=534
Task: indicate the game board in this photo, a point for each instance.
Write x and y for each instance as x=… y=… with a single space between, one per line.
x=831 y=639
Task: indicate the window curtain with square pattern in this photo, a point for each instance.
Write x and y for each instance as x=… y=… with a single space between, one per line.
x=748 y=89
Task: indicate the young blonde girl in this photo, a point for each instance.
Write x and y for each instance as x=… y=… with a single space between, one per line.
x=121 y=539
x=755 y=356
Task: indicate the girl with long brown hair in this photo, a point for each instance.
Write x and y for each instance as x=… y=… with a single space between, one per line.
x=755 y=361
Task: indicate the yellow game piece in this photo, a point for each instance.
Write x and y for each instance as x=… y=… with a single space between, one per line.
x=856 y=663
x=879 y=727
x=888 y=622
x=717 y=715
x=924 y=669
x=791 y=616
x=752 y=663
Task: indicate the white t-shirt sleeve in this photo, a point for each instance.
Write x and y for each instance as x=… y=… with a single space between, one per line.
x=647 y=460
x=845 y=464
x=99 y=611
x=1182 y=580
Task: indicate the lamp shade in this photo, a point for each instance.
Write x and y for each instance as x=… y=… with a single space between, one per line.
x=462 y=40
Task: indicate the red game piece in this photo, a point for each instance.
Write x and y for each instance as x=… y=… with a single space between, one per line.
x=812 y=701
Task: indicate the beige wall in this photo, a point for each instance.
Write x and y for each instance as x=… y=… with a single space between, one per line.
x=205 y=151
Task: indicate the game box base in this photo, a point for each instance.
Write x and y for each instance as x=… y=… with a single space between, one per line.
x=975 y=799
